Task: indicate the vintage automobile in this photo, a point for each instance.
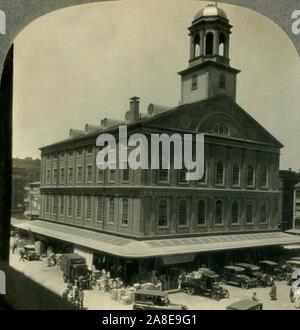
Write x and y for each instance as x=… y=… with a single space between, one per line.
x=208 y=285
x=30 y=253
x=254 y=271
x=154 y=300
x=246 y=304
x=273 y=268
x=236 y=276
x=75 y=270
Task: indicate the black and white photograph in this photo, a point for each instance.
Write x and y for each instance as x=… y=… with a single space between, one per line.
x=149 y=157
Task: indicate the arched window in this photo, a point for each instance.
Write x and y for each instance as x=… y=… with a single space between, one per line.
x=163 y=214
x=222 y=81
x=124 y=211
x=263 y=213
x=250 y=176
x=220 y=173
x=235 y=213
x=222 y=43
x=264 y=176
x=221 y=129
x=219 y=213
x=196 y=45
x=249 y=213
x=201 y=213
x=182 y=213
x=236 y=175
x=209 y=44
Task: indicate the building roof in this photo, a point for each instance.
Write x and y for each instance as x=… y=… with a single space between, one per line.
x=210 y=11
x=133 y=248
x=169 y=120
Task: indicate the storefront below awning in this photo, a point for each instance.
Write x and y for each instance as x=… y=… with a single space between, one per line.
x=131 y=248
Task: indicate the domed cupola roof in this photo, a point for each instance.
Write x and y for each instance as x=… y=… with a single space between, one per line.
x=211 y=10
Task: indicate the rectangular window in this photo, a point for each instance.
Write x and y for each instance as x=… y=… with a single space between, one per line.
x=54 y=205
x=201 y=213
x=78 y=206
x=89 y=150
x=62 y=156
x=236 y=175
x=250 y=176
x=125 y=211
x=79 y=174
x=79 y=152
x=89 y=173
x=55 y=175
x=163 y=175
x=125 y=174
x=182 y=176
x=249 y=213
x=70 y=206
x=111 y=214
x=182 y=213
x=70 y=178
x=194 y=82
x=163 y=213
x=47 y=204
x=112 y=175
x=62 y=175
x=99 y=209
x=61 y=205
x=48 y=176
x=88 y=208
x=100 y=175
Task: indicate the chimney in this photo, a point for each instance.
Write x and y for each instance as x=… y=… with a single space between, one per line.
x=134 y=112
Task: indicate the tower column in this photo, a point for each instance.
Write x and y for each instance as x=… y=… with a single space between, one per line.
x=202 y=37
x=216 y=43
x=192 y=47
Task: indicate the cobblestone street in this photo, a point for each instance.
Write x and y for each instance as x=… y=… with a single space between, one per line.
x=98 y=300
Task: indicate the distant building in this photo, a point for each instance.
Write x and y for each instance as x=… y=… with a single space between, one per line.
x=24 y=172
x=288 y=179
x=32 y=168
x=32 y=200
x=18 y=190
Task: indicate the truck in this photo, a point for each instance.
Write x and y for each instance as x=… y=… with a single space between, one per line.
x=75 y=270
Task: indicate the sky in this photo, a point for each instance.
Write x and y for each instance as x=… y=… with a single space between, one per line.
x=81 y=64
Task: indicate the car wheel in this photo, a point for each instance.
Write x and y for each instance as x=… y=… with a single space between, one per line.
x=190 y=291
x=215 y=296
x=245 y=285
x=226 y=294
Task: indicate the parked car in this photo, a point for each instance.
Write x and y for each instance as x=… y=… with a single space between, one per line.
x=208 y=284
x=154 y=300
x=246 y=304
x=254 y=271
x=272 y=268
x=236 y=276
x=30 y=253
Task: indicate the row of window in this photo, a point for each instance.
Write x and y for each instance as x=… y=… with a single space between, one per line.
x=219 y=214
x=58 y=208
x=70 y=179
x=220 y=175
x=163 y=175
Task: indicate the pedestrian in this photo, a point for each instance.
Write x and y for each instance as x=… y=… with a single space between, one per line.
x=22 y=254
x=159 y=285
x=254 y=297
x=179 y=281
x=273 y=292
